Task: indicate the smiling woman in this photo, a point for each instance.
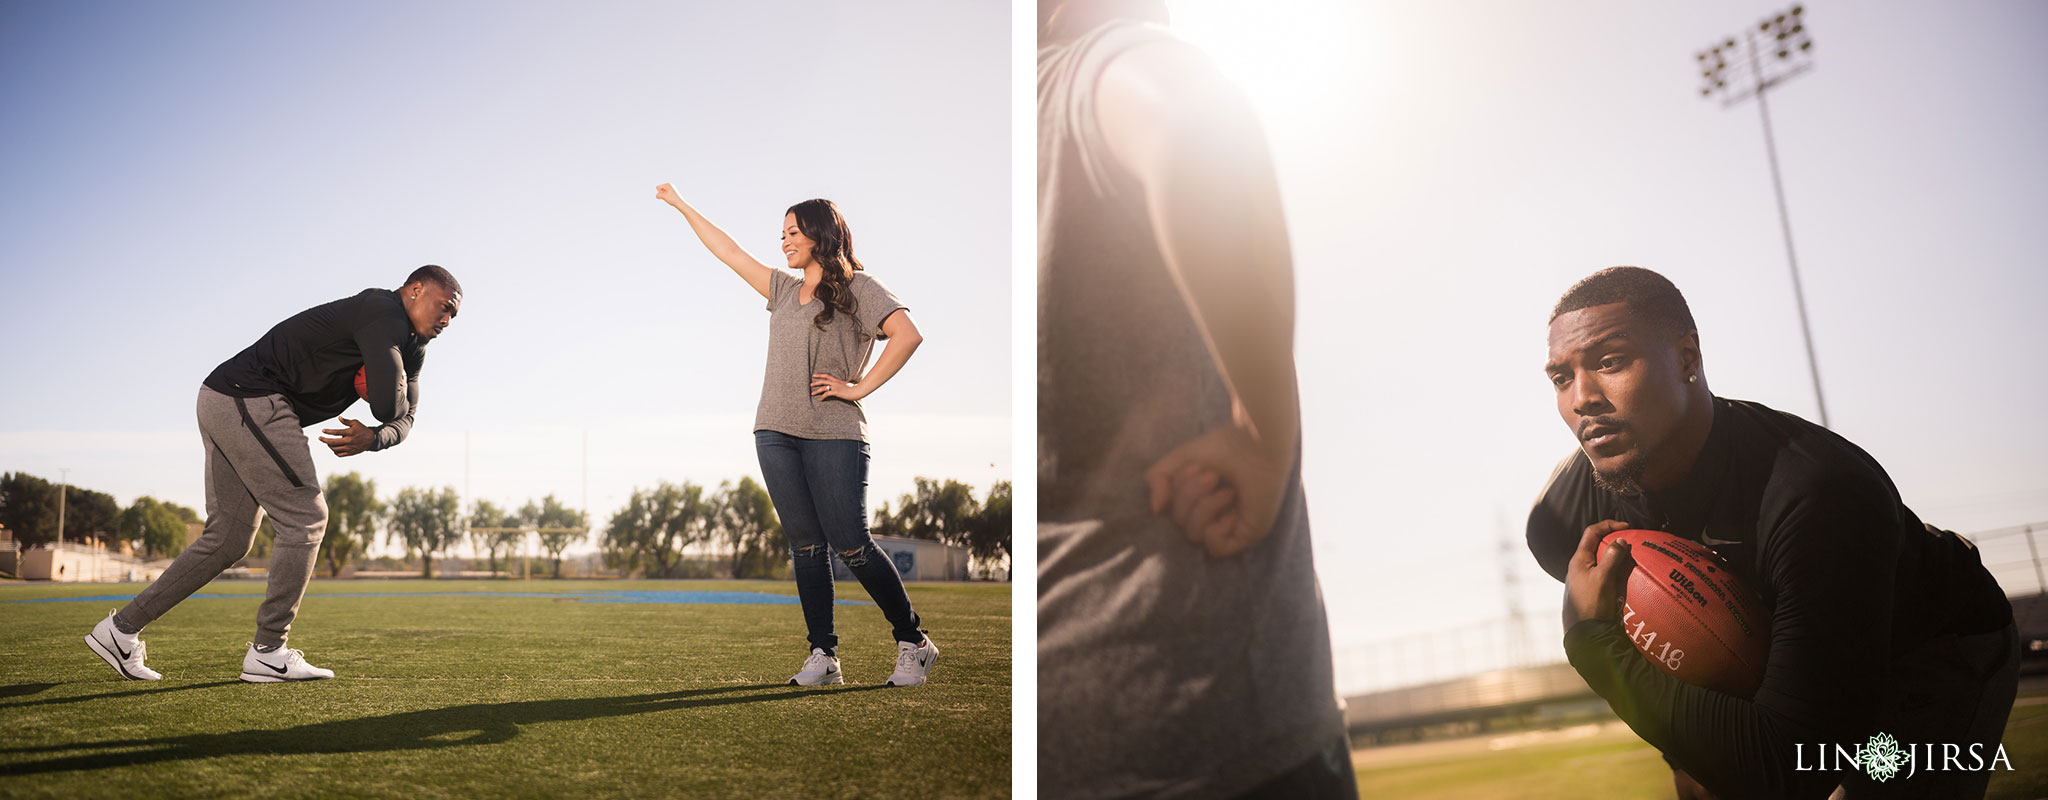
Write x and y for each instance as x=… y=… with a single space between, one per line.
x=810 y=431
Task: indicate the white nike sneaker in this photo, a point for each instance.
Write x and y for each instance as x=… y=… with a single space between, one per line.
x=819 y=670
x=278 y=666
x=123 y=651
x=913 y=662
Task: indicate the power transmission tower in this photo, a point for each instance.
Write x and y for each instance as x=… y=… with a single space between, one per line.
x=1517 y=639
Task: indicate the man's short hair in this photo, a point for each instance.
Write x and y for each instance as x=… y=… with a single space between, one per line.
x=1650 y=295
x=433 y=274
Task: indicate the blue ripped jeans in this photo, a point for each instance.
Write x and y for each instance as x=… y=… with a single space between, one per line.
x=820 y=490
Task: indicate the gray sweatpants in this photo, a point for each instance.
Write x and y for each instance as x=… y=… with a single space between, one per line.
x=257 y=462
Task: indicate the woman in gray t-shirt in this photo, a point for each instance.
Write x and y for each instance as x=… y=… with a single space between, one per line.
x=809 y=431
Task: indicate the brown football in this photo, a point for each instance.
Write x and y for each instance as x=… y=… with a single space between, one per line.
x=1691 y=616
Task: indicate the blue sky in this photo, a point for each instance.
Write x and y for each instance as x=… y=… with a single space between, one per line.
x=1449 y=169
x=181 y=177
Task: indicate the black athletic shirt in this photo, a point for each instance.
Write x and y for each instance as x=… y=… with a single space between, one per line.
x=312 y=357
x=1851 y=577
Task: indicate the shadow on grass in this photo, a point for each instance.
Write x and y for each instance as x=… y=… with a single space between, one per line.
x=455 y=726
x=9 y=691
x=21 y=689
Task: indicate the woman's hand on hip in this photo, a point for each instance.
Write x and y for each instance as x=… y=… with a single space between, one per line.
x=823 y=386
x=1221 y=488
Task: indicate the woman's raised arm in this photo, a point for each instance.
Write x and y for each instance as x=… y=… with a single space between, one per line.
x=743 y=263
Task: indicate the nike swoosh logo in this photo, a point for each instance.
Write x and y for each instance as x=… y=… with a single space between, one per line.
x=279 y=670
x=116 y=644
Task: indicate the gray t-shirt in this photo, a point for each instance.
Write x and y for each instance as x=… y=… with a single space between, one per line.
x=797 y=348
x=1161 y=671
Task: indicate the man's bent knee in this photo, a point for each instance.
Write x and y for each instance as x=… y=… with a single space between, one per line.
x=297 y=537
x=302 y=522
x=237 y=539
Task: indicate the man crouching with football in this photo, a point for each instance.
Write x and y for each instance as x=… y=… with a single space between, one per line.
x=1880 y=625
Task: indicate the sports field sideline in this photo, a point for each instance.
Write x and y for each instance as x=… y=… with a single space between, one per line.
x=506 y=688
x=1609 y=761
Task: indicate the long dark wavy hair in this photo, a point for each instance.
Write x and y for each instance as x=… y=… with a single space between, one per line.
x=832 y=247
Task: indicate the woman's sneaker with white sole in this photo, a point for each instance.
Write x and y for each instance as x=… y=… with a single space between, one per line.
x=914 y=662
x=123 y=651
x=819 y=670
x=280 y=665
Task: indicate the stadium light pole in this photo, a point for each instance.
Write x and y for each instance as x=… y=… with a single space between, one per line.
x=586 y=477
x=1739 y=73
x=63 y=483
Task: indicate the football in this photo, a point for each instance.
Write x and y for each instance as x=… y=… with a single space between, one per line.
x=362 y=383
x=1691 y=616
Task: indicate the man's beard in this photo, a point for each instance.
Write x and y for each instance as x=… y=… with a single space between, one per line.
x=1626 y=478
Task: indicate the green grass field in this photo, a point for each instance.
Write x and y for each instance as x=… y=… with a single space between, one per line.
x=1613 y=763
x=467 y=695
x=1561 y=764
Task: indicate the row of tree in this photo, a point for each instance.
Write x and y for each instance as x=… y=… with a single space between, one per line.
x=660 y=529
x=28 y=509
x=427 y=522
x=654 y=535
x=946 y=511
x=666 y=531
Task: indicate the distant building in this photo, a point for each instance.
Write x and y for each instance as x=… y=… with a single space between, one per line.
x=917 y=560
x=10 y=553
x=74 y=562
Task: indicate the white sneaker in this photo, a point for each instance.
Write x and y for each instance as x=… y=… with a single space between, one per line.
x=819 y=670
x=278 y=666
x=123 y=651
x=913 y=662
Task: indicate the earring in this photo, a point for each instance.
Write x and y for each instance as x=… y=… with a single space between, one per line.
x=1692 y=379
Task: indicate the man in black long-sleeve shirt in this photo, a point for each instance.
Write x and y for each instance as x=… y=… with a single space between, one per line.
x=1880 y=625
x=252 y=410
